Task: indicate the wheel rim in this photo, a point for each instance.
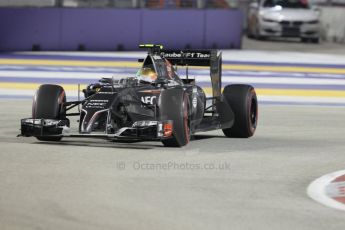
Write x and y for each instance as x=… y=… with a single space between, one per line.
x=253 y=113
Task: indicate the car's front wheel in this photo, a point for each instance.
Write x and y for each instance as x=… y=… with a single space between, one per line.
x=174 y=105
x=47 y=104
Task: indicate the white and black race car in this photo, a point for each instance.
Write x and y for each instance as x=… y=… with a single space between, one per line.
x=156 y=104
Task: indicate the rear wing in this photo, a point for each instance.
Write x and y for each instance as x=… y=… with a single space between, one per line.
x=211 y=58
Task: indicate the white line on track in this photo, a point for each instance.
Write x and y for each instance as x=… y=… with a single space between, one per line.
x=11 y=68
x=317 y=100
x=228 y=55
x=261 y=98
x=226 y=79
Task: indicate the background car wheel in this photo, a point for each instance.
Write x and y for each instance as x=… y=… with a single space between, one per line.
x=250 y=36
x=243 y=101
x=174 y=105
x=305 y=40
x=258 y=35
x=249 y=33
x=47 y=105
x=315 y=40
x=256 y=31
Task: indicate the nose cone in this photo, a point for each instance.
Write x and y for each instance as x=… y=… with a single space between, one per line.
x=93 y=120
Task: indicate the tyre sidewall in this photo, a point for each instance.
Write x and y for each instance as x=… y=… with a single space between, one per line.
x=47 y=104
x=242 y=99
x=174 y=105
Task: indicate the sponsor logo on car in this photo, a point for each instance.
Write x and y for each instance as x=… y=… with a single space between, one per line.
x=148 y=99
x=186 y=55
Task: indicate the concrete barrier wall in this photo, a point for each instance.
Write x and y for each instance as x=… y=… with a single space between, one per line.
x=100 y=29
x=20 y=29
x=112 y=29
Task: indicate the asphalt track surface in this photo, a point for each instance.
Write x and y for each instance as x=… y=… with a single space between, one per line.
x=213 y=183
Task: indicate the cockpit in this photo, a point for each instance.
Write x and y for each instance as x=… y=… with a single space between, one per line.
x=155 y=68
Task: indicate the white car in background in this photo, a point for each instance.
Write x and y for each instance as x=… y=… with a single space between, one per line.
x=283 y=18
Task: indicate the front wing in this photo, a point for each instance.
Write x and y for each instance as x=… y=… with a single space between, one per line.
x=140 y=130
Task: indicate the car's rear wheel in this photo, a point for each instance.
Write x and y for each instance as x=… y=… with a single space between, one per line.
x=47 y=104
x=174 y=105
x=243 y=102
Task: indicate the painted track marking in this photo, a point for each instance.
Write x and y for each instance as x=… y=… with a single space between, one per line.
x=328 y=190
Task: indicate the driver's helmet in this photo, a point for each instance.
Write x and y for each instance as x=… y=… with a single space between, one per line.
x=147 y=74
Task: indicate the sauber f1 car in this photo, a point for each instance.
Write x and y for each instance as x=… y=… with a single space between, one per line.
x=156 y=104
